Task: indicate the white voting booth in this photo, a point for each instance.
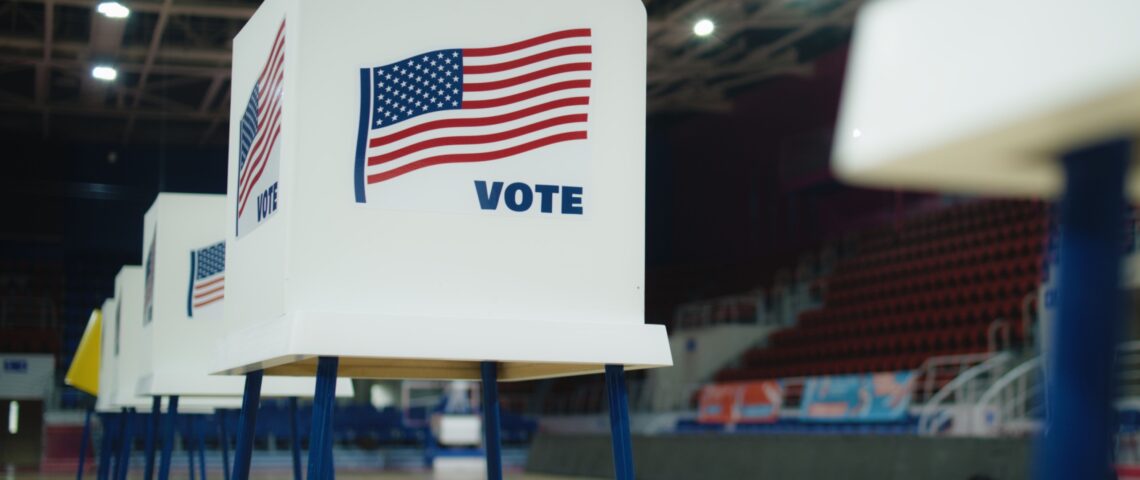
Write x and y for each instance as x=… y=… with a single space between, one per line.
x=105 y=402
x=439 y=189
x=937 y=97
x=421 y=265
x=1014 y=98
x=185 y=290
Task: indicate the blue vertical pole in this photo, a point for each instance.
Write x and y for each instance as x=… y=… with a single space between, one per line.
x=107 y=445
x=123 y=454
x=1079 y=370
x=247 y=425
x=200 y=428
x=619 y=422
x=188 y=443
x=168 y=428
x=320 y=438
x=225 y=444
x=151 y=435
x=491 y=424
x=295 y=438
x=83 y=445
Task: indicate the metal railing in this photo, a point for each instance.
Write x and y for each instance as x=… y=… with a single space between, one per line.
x=958 y=397
x=1013 y=404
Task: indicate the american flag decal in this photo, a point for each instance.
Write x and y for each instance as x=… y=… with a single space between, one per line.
x=260 y=125
x=207 y=277
x=469 y=105
x=148 y=293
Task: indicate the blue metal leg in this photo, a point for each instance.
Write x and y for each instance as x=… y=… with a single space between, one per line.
x=188 y=444
x=491 y=425
x=247 y=424
x=128 y=443
x=151 y=435
x=225 y=444
x=168 y=428
x=83 y=445
x=295 y=438
x=121 y=445
x=108 y=422
x=320 y=439
x=200 y=427
x=1079 y=369
x=619 y=422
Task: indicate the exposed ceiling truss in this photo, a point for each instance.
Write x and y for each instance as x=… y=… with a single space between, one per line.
x=173 y=58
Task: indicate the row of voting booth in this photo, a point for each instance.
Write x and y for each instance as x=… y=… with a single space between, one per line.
x=459 y=198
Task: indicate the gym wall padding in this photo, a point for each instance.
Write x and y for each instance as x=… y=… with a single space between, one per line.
x=725 y=457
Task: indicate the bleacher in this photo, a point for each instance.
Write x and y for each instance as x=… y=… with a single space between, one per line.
x=946 y=283
x=355 y=426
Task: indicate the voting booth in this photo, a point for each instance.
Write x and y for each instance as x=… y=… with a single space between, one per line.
x=185 y=290
x=1009 y=98
x=105 y=401
x=433 y=189
x=421 y=265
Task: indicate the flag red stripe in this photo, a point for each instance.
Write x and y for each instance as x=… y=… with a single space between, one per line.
x=522 y=62
x=261 y=133
x=257 y=177
x=203 y=294
x=550 y=37
x=476 y=139
x=207 y=302
x=529 y=77
x=256 y=161
x=476 y=157
x=277 y=44
x=476 y=122
x=209 y=283
x=518 y=97
x=275 y=81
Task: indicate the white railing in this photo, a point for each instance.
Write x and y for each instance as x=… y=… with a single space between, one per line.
x=952 y=406
x=948 y=366
x=1012 y=405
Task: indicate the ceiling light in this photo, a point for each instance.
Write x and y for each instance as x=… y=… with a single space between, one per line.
x=113 y=10
x=704 y=27
x=103 y=72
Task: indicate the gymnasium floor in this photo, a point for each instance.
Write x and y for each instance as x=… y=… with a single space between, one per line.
x=287 y=476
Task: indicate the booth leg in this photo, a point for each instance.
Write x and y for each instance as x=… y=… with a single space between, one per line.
x=491 y=425
x=188 y=436
x=124 y=451
x=1080 y=379
x=225 y=444
x=168 y=428
x=200 y=428
x=320 y=438
x=295 y=438
x=83 y=445
x=107 y=445
x=151 y=434
x=247 y=423
x=619 y=422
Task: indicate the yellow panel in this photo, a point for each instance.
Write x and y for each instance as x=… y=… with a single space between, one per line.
x=84 y=371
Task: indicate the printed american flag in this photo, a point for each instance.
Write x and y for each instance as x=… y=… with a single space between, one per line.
x=148 y=292
x=261 y=121
x=207 y=277
x=472 y=105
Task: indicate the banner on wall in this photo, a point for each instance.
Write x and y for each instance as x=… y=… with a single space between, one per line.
x=741 y=402
x=881 y=396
